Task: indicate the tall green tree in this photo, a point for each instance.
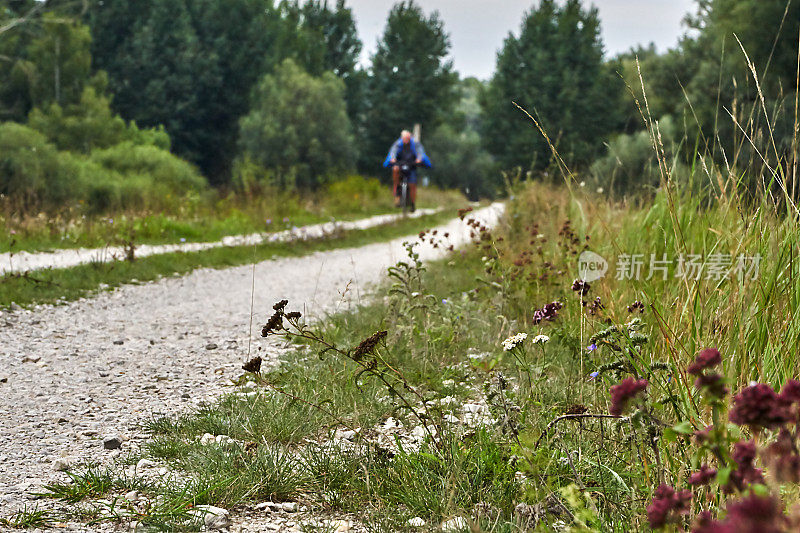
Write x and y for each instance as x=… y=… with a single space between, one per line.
x=298 y=127
x=189 y=65
x=411 y=81
x=554 y=69
x=722 y=84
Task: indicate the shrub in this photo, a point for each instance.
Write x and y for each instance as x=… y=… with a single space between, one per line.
x=32 y=172
x=150 y=166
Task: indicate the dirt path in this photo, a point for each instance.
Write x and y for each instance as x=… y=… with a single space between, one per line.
x=30 y=261
x=71 y=375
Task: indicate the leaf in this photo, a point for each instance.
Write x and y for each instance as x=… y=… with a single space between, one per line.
x=684 y=428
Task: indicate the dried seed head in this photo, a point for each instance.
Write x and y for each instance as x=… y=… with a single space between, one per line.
x=280 y=306
x=253 y=365
x=368 y=345
x=275 y=323
x=294 y=315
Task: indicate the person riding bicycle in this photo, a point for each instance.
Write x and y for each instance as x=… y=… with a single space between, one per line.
x=406 y=152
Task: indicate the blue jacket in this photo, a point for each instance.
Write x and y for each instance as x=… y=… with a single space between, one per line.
x=419 y=152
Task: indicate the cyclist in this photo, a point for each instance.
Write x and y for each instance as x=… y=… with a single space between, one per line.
x=406 y=151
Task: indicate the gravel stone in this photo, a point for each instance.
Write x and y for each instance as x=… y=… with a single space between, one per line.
x=112 y=443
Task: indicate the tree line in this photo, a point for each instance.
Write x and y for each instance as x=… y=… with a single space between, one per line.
x=248 y=93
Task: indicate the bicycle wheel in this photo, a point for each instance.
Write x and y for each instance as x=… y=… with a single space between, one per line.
x=404 y=203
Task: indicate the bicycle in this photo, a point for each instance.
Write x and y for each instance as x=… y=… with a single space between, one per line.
x=405 y=172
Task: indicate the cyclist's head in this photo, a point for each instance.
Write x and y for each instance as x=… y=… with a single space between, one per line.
x=405 y=135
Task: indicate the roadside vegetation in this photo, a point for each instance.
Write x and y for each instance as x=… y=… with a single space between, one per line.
x=207 y=217
x=67 y=284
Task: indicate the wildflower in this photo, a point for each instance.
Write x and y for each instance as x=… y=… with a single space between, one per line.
x=667 y=507
x=549 y=312
x=594 y=375
x=706 y=359
x=790 y=393
x=782 y=459
x=541 y=339
x=269 y=221
x=755 y=513
x=702 y=476
x=444 y=301
x=636 y=306
x=758 y=406
x=744 y=453
x=713 y=384
x=183 y=239
x=514 y=341
x=592 y=347
x=286 y=219
x=581 y=287
x=624 y=392
x=368 y=345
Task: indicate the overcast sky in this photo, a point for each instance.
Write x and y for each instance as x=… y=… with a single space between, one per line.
x=477 y=27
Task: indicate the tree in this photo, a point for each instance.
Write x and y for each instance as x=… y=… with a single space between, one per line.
x=411 y=80
x=455 y=147
x=553 y=69
x=188 y=65
x=721 y=82
x=298 y=127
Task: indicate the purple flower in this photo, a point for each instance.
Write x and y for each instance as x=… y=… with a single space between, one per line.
x=702 y=476
x=707 y=358
x=286 y=219
x=592 y=347
x=444 y=301
x=743 y=454
x=755 y=513
x=183 y=239
x=594 y=375
x=269 y=221
x=549 y=312
x=581 y=287
x=713 y=384
x=758 y=406
x=624 y=392
x=668 y=506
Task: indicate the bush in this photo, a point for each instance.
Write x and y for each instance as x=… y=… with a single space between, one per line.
x=150 y=166
x=33 y=173
x=630 y=166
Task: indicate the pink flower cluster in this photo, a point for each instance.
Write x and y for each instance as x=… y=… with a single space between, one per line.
x=624 y=392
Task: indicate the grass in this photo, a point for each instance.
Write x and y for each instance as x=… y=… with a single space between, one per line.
x=553 y=454
x=205 y=220
x=59 y=285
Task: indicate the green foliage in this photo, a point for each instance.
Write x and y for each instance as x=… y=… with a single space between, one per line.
x=90 y=124
x=32 y=171
x=554 y=69
x=630 y=166
x=412 y=81
x=298 y=127
x=462 y=163
x=460 y=159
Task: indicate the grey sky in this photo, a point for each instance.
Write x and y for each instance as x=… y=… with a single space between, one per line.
x=477 y=27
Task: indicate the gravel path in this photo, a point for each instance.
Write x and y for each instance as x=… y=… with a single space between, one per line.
x=27 y=261
x=71 y=375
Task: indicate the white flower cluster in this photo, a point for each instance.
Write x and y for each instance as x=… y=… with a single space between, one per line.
x=514 y=341
x=541 y=339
